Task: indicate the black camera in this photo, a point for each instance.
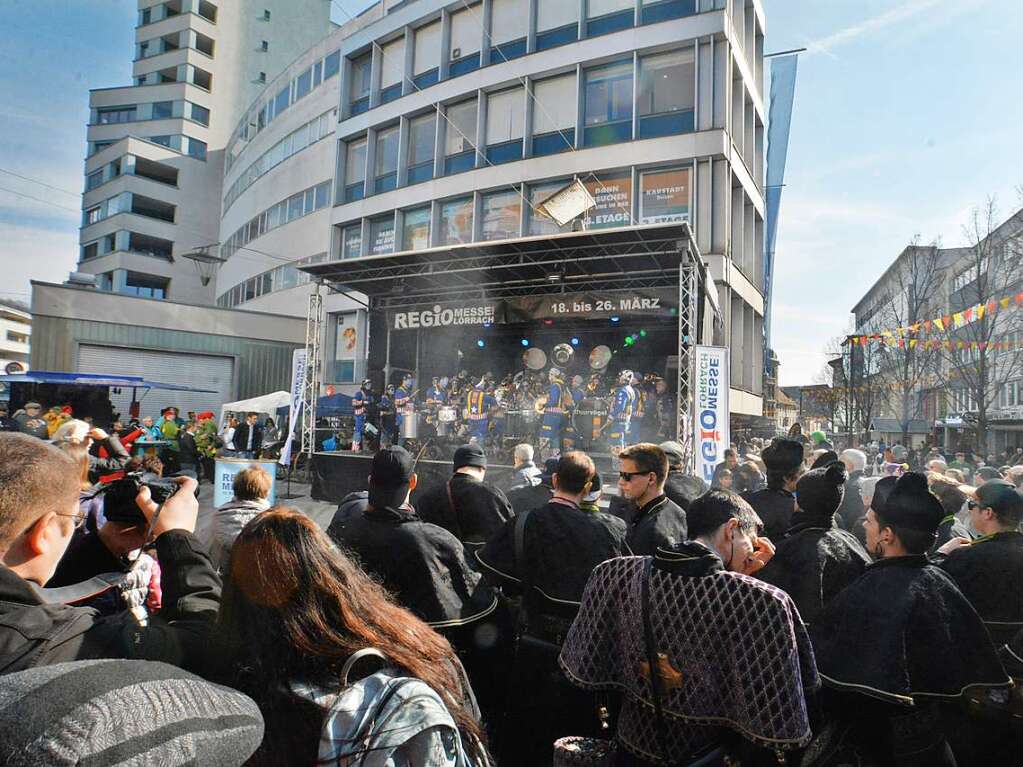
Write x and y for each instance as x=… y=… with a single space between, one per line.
x=119 y=496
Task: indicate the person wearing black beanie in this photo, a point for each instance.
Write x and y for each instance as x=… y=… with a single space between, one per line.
x=815 y=559
x=776 y=503
x=901 y=639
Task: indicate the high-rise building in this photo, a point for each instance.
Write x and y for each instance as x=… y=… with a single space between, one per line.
x=155 y=162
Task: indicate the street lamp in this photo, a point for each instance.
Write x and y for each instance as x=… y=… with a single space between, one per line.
x=206 y=261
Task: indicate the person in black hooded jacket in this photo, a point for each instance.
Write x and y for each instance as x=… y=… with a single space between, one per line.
x=776 y=503
x=815 y=559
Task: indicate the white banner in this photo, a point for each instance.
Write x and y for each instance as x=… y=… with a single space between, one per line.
x=298 y=371
x=710 y=408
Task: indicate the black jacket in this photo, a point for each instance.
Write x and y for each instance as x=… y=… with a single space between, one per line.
x=241 y=437
x=683 y=488
x=189 y=452
x=814 y=561
x=660 y=524
x=850 y=513
x=36 y=634
x=529 y=498
x=422 y=564
x=479 y=509
x=775 y=507
x=561 y=545
x=989 y=572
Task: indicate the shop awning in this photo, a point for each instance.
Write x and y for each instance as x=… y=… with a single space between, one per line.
x=92 y=379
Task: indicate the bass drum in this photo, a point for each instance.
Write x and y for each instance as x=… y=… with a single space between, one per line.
x=410 y=426
x=589 y=418
x=520 y=424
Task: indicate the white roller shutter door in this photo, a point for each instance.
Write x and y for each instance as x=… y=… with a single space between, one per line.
x=201 y=371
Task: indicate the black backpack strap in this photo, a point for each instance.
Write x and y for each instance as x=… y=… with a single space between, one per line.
x=519 y=544
x=652 y=658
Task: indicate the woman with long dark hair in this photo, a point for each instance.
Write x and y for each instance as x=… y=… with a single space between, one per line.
x=295 y=608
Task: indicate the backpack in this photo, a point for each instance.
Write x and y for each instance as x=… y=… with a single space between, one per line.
x=386 y=719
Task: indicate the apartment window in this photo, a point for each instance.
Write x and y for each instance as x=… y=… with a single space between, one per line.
x=505 y=123
x=163 y=110
x=508 y=27
x=147 y=206
x=667 y=93
x=196 y=148
x=351 y=241
x=145 y=16
x=392 y=70
x=199 y=114
x=322 y=195
x=204 y=44
x=202 y=78
x=1011 y=394
x=422 y=134
x=381 y=236
x=415 y=229
x=282 y=100
x=456 y=221
x=161 y=140
x=603 y=16
x=426 y=55
x=89 y=251
x=662 y=10
x=501 y=213
x=554 y=115
x=386 y=171
x=145 y=285
x=557 y=23
x=93 y=180
x=208 y=11
x=613 y=195
x=459 y=137
x=361 y=71
x=355 y=170
x=154 y=247
x=466 y=37
x=664 y=196
x=18 y=338
x=539 y=223
x=303 y=84
x=92 y=215
x=112 y=115
x=608 y=96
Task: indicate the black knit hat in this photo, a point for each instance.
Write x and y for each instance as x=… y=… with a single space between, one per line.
x=825 y=459
x=912 y=505
x=784 y=455
x=470 y=455
x=821 y=490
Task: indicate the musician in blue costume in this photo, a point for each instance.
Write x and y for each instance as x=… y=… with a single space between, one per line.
x=478 y=404
x=361 y=402
x=403 y=405
x=559 y=400
x=620 y=417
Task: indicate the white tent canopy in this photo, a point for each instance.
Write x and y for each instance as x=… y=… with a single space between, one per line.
x=268 y=403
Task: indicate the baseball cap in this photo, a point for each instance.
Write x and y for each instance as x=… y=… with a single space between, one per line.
x=389 y=477
x=1002 y=496
x=470 y=455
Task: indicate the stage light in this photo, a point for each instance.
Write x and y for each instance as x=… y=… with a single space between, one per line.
x=487 y=324
x=525 y=342
x=628 y=341
x=575 y=341
x=642 y=333
x=615 y=318
x=480 y=343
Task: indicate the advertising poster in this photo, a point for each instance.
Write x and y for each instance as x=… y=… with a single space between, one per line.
x=665 y=196
x=710 y=408
x=224 y=474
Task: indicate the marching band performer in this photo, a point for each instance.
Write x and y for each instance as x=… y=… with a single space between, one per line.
x=362 y=400
x=638 y=409
x=478 y=404
x=435 y=395
x=404 y=406
x=559 y=401
x=620 y=417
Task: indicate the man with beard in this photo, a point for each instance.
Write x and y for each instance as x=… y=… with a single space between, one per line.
x=901 y=639
x=815 y=560
x=776 y=503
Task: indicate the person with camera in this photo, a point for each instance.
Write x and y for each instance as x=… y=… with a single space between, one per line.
x=39 y=511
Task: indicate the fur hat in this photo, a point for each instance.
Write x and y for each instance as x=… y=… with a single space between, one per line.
x=821 y=490
x=826 y=458
x=912 y=505
x=784 y=455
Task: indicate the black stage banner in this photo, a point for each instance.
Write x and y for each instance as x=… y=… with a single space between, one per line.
x=652 y=302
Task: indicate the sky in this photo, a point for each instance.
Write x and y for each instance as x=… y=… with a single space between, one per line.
x=907 y=115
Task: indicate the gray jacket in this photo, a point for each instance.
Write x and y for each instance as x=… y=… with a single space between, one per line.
x=228 y=521
x=528 y=475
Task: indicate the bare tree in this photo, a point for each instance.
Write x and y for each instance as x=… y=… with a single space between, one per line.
x=979 y=360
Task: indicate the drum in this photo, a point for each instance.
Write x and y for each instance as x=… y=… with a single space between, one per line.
x=447 y=414
x=589 y=418
x=410 y=426
x=520 y=423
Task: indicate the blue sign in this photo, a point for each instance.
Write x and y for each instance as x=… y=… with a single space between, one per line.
x=227 y=468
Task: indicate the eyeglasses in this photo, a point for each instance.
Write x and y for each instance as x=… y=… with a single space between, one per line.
x=626 y=476
x=79 y=518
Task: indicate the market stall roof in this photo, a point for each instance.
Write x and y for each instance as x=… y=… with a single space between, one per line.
x=94 y=379
x=646 y=256
x=267 y=403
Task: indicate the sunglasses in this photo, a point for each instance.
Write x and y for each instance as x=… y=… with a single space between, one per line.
x=626 y=476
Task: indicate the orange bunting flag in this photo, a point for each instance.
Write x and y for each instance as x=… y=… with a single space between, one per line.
x=947 y=320
x=968 y=314
x=992 y=307
x=1019 y=299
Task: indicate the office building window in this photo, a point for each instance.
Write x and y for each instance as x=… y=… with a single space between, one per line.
x=505 y=118
x=282 y=100
x=200 y=114
x=331 y=65
x=381 y=236
x=613 y=194
x=459 y=137
x=355 y=170
x=426 y=56
x=145 y=285
x=557 y=23
x=508 y=28
x=351 y=241
x=554 y=115
x=667 y=93
x=386 y=171
x=416 y=229
x=422 y=134
x=664 y=196
x=608 y=115
x=93 y=180
x=392 y=70
x=163 y=110
x=501 y=214
x=466 y=38
x=662 y=10
x=456 y=222
x=92 y=215
x=112 y=115
x=303 y=84
x=538 y=222
x=196 y=148
x=361 y=79
x=603 y=16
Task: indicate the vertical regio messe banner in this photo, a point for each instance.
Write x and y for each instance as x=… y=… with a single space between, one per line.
x=710 y=408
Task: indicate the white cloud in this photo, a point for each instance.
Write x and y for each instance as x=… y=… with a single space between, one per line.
x=897 y=15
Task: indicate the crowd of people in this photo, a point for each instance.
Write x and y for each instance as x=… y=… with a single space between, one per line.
x=822 y=611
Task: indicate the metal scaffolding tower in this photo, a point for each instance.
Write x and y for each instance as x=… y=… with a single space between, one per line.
x=311 y=384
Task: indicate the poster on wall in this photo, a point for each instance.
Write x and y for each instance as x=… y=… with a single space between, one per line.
x=664 y=197
x=613 y=197
x=710 y=408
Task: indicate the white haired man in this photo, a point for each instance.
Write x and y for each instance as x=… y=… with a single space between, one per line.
x=851 y=512
x=526 y=472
